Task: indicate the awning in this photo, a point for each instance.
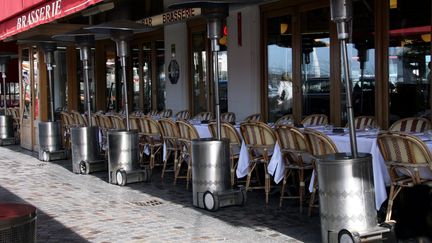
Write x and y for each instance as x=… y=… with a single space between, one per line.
x=41 y=13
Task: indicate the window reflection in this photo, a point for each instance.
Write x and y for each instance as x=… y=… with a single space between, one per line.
x=315 y=65
x=361 y=57
x=279 y=69
x=25 y=80
x=199 y=72
x=111 y=79
x=409 y=55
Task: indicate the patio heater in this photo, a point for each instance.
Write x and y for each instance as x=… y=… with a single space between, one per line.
x=123 y=150
x=85 y=140
x=50 y=138
x=211 y=187
x=346 y=185
x=6 y=121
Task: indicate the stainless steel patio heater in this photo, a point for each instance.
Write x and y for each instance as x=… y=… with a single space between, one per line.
x=211 y=187
x=86 y=148
x=123 y=151
x=7 y=136
x=346 y=185
x=50 y=138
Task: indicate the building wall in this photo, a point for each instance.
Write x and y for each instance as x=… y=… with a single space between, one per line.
x=177 y=94
x=243 y=64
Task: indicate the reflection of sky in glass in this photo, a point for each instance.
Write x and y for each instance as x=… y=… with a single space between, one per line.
x=279 y=59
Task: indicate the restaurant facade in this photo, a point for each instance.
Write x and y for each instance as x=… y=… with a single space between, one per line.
x=276 y=58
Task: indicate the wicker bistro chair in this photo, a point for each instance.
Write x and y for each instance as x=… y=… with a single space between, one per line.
x=150 y=133
x=315 y=120
x=67 y=121
x=260 y=140
x=230 y=132
x=170 y=136
x=118 y=122
x=165 y=113
x=411 y=124
x=79 y=120
x=153 y=113
x=294 y=149
x=408 y=160
x=228 y=117
x=204 y=116
x=187 y=133
x=253 y=118
x=183 y=115
x=318 y=144
x=361 y=122
x=285 y=120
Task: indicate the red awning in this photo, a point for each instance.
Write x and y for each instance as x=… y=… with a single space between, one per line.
x=40 y=13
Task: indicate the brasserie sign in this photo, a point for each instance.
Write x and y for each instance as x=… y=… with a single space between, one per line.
x=170 y=17
x=39 y=13
x=48 y=11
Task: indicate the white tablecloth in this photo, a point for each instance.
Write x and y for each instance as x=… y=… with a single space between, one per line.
x=365 y=144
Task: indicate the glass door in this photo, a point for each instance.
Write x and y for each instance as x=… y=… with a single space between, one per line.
x=315 y=61
x=26 y=100
x=199 y=75
x=279 y=67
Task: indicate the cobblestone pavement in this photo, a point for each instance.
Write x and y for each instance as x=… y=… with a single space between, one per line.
x=85 y=208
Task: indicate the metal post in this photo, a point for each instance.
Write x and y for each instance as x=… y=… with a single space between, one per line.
x=216 y=85
x=350 y=110
x=49 y=58
x=85 y=57
x=341 y=14
x=4 y=91
x=123 y=52
x=214 y=27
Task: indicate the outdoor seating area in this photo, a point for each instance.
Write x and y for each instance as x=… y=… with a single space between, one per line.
x=278 y=154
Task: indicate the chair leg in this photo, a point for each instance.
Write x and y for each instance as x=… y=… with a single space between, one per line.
x=394 y=191
x=266 y=183
x=249 y=175
x=283 y=186
x=301 y=188
x=232 y=172
x=165 y=164
x=312 y=198
x=189 y=173
x=177 y=170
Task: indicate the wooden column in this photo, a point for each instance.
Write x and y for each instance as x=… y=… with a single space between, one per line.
x=381 y=64
x=72 y=79
x=100 y=76
x=335 y=79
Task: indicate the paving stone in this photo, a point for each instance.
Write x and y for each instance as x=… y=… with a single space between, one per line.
x=85 y=208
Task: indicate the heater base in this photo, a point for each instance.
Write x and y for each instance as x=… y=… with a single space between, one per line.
x=212 y=201
x=122 y=177
x=53 y=155
x=7 y=141
x=87 y=167
x=379 y=233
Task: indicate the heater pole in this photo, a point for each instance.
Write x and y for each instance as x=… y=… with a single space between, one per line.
x=4 y=90
x=341 y=14
x=85 y=57
x=123 y=52
x=50 y=56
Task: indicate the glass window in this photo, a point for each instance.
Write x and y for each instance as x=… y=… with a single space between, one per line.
x=315 y=66
x=223 y=78
x=279 y=67
x=147 y=76
x=199 y=73
x=409 y=56
x=111 y=79
x=160 y=75
x=36 y=82
x=25 y=80
x=361 y=57
x=136 y=79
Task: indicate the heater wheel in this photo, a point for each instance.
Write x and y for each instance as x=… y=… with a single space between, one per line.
x=211 y=202
x=83 y=167
x=345 y=236
x=121 y=177
x=45 y=156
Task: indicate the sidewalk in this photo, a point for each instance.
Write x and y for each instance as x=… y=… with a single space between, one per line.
x=85 y=208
